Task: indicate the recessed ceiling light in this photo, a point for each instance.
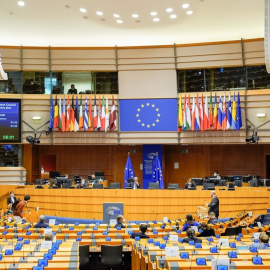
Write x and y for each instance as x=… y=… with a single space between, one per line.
x=116 y=15
x=185 y=5
x=135 y=15
x=169 y=9
x=100 y=13
x=189 y=12
x=153 y=13
x=21 y=3
x=173 y=16
x=119 y=21
x=156 y=19
x=83 y=10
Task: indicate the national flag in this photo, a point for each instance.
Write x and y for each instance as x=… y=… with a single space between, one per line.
x=51 y=115
x=185 y=115
x=157 y=175
x=129 y=172
x=197 y=115
x=60 y=114
x=107 y=116
x=103 y=115
x=210 y=119
x=72 y=117
x=77 y=115
x=233 y=126
x=193 y=114
x=219 y=126
x=188 y=113
x=81 y=116
x=90 y=122
x=180 y=113
x=229 y=112
x=56 y=115
x=64 y=115
x=85 y=122
x=95 y=118
x=113 y=116
x=99 y=114
x=238 y=114
x=215 y=113
x=206 y=114
x=224 y=113
x=68 y=116
x=202 y=114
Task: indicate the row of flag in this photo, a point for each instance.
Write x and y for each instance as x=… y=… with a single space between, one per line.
x=218 y=116
x=74 y=118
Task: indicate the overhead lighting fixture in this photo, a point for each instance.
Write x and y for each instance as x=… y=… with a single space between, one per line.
x=21 y=3
x=153 y=13
x=36 y=117
x=156 y=19
x=169 y=9
x=116 y=15
x=185 y=6
x=173 y=16
x=119 y=21
x=99 y=13
x=83 y=10
x=135 y=15
x=189 y=12
x=260 y=115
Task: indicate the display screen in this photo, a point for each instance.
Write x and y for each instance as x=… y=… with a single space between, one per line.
x=10 y=120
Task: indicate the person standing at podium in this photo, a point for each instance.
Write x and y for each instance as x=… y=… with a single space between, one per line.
x=214 y=204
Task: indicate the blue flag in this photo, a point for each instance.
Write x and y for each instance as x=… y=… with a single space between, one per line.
x=148 y=115
x=238 y=114
x=157 y=175
x=51 y=115
x=129 y=172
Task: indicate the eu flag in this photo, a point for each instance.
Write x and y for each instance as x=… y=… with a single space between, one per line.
x=148 y=115
x=129 y=172
x=157 y=175
x=51 y=115
x=238 y=114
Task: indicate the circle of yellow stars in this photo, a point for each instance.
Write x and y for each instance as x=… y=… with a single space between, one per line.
x=148 y=125
x=160 y=173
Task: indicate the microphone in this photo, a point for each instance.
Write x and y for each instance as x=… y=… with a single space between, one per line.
x=218 y=253
x=109 y=219
x=149 y=219
x=181 y=213
x=156 y=217
x=66 y=226
x=248 y=207
x=23 y=244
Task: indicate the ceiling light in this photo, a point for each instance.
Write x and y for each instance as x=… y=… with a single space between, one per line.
x=185 y=5
x=119 y=21
x=116 y=15
x=260 y=115
x=156 y=19
x=36 y=118
x=173 y=16
x=21 y=3
x=83 y=10
x=135 y=15
x=153 y=13
x=100 y=13
x=189 y=12
x=169 y=9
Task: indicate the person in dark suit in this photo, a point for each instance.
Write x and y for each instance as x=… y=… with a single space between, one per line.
x=214 y=204
x=83 y=184
x=191 y=237
x=11 y=199
x=120 y=220
x=213 y=219
x=207 y=230
x=41 y=223
x=189 y=184
x=135 y=184
x=141 y=234
x=72 y=90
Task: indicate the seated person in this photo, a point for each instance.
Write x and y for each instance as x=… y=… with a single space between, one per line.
x=135 y=184
x=217 y=175
x=49 y=236
x=141 y=234
x=51 y=183
x=207 y=230
x=191 y=237
x=72 y=90
x=120 y=220
x=213 y=219
x=41 y=223
x=83 y=184
x=263 y=240
x=190 y=222
x=189 y=184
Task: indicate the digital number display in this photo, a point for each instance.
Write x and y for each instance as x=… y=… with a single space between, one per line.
x=10 y=120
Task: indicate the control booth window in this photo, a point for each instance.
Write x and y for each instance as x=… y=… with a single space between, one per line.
x=10 y=155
